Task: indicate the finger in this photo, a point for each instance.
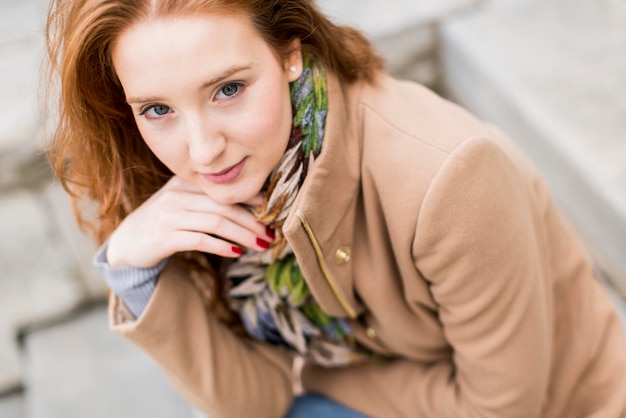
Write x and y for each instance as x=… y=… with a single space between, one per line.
x=221 y=227
x=197 y=241
x=176 y=201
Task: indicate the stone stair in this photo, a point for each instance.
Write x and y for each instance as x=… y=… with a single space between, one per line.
x=403 y=31
x=79 y=370
x=530 y=66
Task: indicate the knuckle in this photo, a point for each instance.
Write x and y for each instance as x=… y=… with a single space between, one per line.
x=201 y=241
x=216 y=222
x=208 y=244
x=174 y=182
x=168 y=197
x=173 y=198
x=163 y=220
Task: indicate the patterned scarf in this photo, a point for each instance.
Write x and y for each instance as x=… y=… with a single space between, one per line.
x=267 y=287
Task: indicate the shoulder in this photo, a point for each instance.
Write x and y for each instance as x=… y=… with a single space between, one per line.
x=418 y=147
x=404 y=127
x=393 y=108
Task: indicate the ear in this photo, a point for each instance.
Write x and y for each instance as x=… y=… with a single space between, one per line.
x=293 y=62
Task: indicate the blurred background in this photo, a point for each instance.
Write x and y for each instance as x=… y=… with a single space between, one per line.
x=552 y=73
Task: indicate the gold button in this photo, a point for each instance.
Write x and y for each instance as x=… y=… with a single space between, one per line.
x=342 y=256
x=371 y=332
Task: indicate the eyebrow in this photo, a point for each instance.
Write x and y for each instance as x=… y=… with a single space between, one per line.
x=225 y=74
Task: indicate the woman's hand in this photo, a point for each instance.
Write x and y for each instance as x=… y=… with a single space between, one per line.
x=180 y=217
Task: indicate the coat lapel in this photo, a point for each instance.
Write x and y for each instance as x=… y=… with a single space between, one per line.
x=320 y=225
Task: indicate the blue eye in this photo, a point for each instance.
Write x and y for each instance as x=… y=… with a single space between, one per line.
x=155 y=111
x=229 y=90
x=160 y=109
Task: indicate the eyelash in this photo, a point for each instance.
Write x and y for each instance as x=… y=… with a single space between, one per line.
x=150 y=107
x=240 y=86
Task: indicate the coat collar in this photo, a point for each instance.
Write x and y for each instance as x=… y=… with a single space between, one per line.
x=321 y=221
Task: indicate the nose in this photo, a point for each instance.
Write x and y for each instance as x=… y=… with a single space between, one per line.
x=206 y=142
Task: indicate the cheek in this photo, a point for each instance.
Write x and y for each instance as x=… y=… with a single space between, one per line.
x=149 y=139
x=263 y=123
x=274 y=115
x=166 y=151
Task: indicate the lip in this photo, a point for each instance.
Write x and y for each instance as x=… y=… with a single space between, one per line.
x=228 y=175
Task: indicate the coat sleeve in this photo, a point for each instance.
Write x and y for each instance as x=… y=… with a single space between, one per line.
x=210 y=366
x=478 y=243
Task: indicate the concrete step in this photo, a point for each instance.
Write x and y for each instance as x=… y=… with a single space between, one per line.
x=392 y=18
x=46 y=268
x=80 y=369
x=21 y=20
x=38 y=280
x=553 y=75
x=21 y=59
x=12 y=406
x=403 y=31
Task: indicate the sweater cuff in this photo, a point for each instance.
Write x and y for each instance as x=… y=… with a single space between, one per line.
x=134 y=286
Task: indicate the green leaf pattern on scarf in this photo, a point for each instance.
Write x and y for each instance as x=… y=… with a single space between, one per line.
x=310 y=98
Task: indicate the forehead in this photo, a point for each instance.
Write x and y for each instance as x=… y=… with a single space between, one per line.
x=193 y=47
x=178 y=33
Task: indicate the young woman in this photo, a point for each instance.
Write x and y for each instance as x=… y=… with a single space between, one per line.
x=284 y=227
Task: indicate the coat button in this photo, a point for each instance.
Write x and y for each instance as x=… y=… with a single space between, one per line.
x=342 y=256
x=371 y=333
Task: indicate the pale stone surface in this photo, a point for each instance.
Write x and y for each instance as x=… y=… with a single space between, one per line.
x=553 y=75
x=19 y=76
x=10 y=362
x=20 y=20
x=37 y=272
x=410 y=54
x=196 y=413
x=21 y=58
x=403 y=31
x=79 y=242
x=20 y=149
x=394 y=17
x=12 y=406
x=80 y=369
x=38 y=280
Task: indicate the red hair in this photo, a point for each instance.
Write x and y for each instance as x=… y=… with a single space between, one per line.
x=96 y=150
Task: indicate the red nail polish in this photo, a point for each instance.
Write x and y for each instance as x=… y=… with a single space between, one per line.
x=262 y=243
x=237 y=250
x=270 y=232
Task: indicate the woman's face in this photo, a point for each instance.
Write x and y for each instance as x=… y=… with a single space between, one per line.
x=210 y=98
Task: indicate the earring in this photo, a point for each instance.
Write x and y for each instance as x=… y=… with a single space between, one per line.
x=293 y=68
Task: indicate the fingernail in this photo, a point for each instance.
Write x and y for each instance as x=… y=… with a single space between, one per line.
x=262 y=243
x=270 y=232
x=237 y=250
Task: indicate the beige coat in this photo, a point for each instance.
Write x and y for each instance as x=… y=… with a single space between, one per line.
x=430 y=230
